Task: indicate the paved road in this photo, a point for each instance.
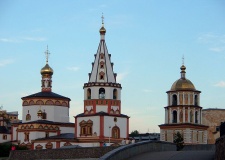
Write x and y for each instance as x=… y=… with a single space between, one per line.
x=176 y=155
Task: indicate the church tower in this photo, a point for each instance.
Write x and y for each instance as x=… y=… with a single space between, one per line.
x=183 y=113
x=102 y=119
x=44 y=114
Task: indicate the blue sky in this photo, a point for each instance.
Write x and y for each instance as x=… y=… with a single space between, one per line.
x=146 y=39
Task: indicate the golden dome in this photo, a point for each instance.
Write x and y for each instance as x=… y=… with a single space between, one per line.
x=182 y=84
x=39 y=112
x=47 y=70
x=102 y=30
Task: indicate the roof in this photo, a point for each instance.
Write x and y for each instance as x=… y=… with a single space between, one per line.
x=101 y=114
x=102 y=68
x=46 y=94
x=182 y=84
x=61 y=136
x=3 y=129
x=46 y=122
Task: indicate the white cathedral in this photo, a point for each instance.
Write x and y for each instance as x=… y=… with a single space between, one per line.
x=45 y=116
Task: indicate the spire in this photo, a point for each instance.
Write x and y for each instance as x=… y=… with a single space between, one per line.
x=102 y=29
x=102 y=68
x=183 y=68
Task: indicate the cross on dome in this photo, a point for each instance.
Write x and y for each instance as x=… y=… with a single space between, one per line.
x=102 y=19
x=47 y=53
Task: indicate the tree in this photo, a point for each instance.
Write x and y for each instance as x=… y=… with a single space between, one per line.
x=179 y=140
x=134 y=133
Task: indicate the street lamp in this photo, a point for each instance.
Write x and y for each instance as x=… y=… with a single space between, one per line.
x=109 y=135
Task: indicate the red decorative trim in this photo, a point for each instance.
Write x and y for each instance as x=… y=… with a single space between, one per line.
x=75 y=129
x=57 y=144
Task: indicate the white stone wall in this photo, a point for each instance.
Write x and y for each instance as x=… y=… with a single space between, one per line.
x=67 y=129
x=14 y=133
x=102 y=108
x=54 y=113
x=121 y=123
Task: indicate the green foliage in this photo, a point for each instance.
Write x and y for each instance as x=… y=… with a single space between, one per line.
x=179 y=140
x=134 y=133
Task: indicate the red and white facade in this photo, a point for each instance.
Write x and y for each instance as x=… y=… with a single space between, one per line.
x=101 y=120
x=45 y=114
x=183 y=113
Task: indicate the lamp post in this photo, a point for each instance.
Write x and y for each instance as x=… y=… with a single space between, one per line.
x=109 y=135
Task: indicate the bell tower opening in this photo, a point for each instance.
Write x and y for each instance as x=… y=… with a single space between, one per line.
x=196 y=100
x=174 y=101
x=174 y=116
x=101 y=93
x=115 y=94
x=88 y=93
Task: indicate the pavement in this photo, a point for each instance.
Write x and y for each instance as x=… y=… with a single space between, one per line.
x=176 y=155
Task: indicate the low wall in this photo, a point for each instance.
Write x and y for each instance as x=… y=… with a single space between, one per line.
x=131 y=150
x=220 y=148
x=72 y=153
x=199 y=147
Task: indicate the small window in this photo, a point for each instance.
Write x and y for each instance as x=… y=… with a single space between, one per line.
x=101 y=74
x=46 y=134
x=102 y=56
x=44 y=115
x=4 y=137
x=196 y=116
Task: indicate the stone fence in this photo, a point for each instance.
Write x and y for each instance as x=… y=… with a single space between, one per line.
x=72 y=153
x=127 y=151
x=220 y=148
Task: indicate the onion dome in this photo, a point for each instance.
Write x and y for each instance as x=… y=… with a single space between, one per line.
x=39 y=113
x=183 y=83
x=46 y=70
x=102 y=30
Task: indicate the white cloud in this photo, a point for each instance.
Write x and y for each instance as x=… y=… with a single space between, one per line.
x=73 y=68
x=217 y=49
x=121 y=76
x=39 y=39
x=220 y=84
x=22 y=39
x=6 y=62
x=215 y=42
x=9 y=40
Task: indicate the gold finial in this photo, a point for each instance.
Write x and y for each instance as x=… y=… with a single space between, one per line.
x=47 y=53
x=102 y=20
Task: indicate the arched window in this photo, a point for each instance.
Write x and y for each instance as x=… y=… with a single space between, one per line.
x=196 y=100
x=115 y=94
x=101 y=75
x=115 y=132
x=101 y=64
x=174 y=102
x=174 y=116
x=88 y=93
x=101 y=93
x=86 y=128
x=196 y=116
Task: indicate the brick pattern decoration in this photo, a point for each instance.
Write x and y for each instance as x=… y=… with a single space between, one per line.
x=90 y=152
